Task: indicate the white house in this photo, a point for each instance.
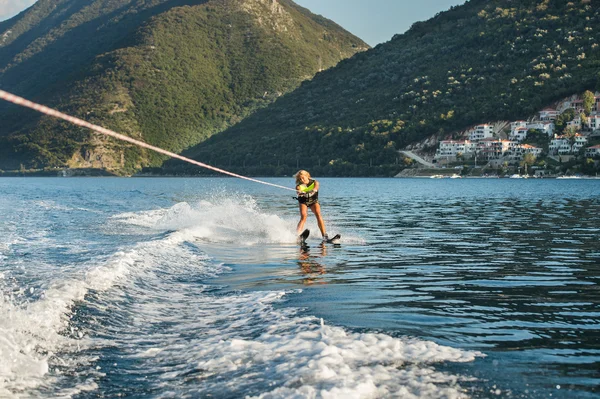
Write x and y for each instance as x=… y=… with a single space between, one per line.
x=562 y=145
x=593 y=151
x=594 y=121
x=528 y=149
x=516 y=152
x=482 y=132
x=580 y=142
x=559 y=145
x=518 y=134
x=450 y=149
x=517 y=124
x=548 y=114
x=491 y=148
x=544 y=127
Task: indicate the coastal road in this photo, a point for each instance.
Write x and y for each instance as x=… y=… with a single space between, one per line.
x=417 y=158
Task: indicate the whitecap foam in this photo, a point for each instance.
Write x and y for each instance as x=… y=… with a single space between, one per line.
x=52 y=205
x=55 y=206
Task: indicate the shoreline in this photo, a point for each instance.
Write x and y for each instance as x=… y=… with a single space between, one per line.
x=437 y=177
x=442 y=173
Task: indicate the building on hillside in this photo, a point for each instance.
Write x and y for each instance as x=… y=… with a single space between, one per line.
x=562 y=145
x=596 y=106
x=593 y=121
x=491 y=148
x=481 y=132
x=528 y=149
x=548 y=114
x=593 y=151
x=516 y=152
x=451 y=149
x=577 y=105
x=544 y=127
x=518 y=134
x=580 y=142
x=517 y=124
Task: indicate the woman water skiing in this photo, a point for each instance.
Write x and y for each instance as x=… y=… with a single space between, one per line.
x=308 y=197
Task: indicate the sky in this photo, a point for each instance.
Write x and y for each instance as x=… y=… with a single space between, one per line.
x=374 y=21
x=10 y=8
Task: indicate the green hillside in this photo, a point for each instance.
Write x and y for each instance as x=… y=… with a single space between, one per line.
x=170 y=72
x=483 y=61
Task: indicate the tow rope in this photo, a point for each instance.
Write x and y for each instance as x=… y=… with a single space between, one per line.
x=76 y=121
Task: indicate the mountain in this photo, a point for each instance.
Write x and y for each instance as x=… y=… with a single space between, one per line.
x=169 y=72
x=482 y=61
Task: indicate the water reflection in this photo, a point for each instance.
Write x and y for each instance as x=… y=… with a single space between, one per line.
x=310 y=264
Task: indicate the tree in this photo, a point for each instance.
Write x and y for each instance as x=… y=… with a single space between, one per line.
x=589 y=167
x=528 y=160
x=584 y=119
x=588 y=101
x=567 y=116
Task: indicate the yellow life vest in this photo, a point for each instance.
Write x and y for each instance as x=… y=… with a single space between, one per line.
x=305 y=189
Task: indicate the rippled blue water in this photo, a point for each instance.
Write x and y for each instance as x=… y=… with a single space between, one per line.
x=195 y=287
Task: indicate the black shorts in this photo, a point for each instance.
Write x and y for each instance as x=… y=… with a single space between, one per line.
x=308 y=201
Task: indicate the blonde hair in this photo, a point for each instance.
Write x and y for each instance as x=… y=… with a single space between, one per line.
x=301 y=173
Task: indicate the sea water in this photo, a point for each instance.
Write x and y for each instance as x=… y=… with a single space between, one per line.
x=156 y=288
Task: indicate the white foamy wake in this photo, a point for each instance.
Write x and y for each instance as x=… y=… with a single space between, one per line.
x=306 y=359
x=225 y=345
x=39 y=343
x=270 y=352
x=32 y=333
x=226 y=219
x=245 y=346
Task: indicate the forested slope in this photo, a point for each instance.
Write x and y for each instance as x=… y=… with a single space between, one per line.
x=170 y=72
x=483 y=61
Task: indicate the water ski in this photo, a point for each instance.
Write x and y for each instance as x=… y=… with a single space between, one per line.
x=302 y=237
x=333 y=240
